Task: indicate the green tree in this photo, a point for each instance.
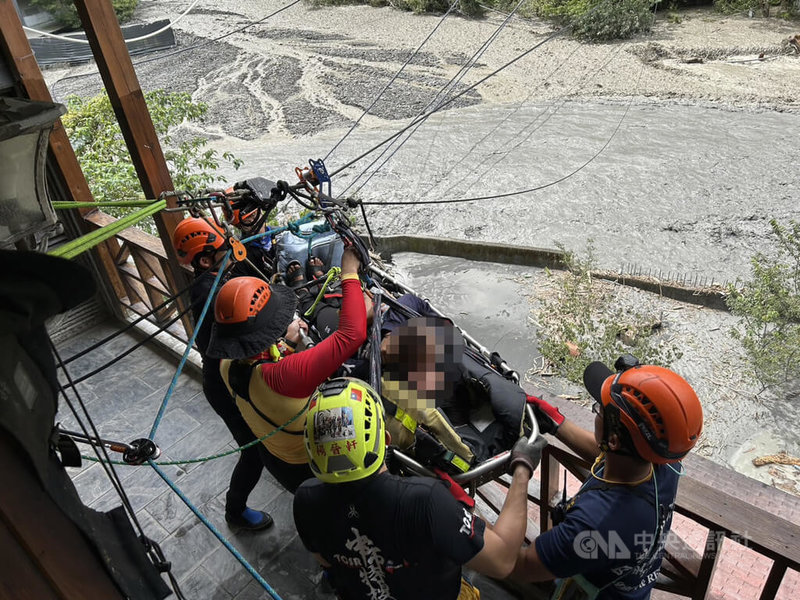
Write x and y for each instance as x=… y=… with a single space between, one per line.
x=65 y=13
x=768 y=307
x=98 y=143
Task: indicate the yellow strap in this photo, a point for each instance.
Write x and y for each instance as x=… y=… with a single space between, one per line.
x=459 y=463
x=468 y=592
x=407 y=421
x=350 y=276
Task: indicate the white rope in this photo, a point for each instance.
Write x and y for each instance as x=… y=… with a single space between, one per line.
x=136 y=39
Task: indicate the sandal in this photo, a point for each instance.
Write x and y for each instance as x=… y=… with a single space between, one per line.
x=315 y=267
x=294 y=274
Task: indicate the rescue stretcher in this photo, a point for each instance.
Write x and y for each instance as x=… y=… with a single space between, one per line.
x=299 y=244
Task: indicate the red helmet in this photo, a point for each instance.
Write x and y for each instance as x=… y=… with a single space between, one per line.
x=657 y=406
x=195 y=236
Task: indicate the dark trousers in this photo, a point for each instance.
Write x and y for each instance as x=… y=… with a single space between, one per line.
x=247 y=471
x=288 y=475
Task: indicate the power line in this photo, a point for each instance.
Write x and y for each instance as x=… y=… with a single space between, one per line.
x=127 y=41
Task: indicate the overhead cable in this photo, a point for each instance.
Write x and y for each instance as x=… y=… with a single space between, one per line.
x=393 y=79
x=75 y=40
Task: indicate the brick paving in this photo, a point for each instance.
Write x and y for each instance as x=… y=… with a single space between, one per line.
x=123 y=401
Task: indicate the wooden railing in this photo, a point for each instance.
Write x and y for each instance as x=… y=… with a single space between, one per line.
x=138 y=271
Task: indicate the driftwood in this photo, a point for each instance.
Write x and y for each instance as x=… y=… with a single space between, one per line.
x=781 y=458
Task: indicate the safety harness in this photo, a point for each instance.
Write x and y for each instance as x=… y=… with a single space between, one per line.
x=239 y=375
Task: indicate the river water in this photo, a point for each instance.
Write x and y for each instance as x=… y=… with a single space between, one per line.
x=685 y=191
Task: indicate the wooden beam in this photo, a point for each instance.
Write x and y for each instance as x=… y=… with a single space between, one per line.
x=774 y=580
x=22 y=63
x=708 y=564
x=114 y=63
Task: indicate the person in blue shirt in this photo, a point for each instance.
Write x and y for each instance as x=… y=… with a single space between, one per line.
x=608 y=540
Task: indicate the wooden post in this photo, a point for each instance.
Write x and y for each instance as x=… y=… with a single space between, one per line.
x=23 y=66
x=114 y=63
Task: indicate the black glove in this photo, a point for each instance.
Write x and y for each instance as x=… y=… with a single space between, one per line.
x=527 y=453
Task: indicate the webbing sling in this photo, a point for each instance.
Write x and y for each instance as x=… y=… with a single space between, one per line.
x=239 y=375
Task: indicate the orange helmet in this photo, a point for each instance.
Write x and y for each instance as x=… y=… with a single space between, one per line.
x=250 y=315
x=657 y=406
x=195 y=236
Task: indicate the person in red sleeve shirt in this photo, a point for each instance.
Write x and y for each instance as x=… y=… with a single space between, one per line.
x=254 y=333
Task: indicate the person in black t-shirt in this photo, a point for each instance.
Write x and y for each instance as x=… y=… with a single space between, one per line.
x=381 y=536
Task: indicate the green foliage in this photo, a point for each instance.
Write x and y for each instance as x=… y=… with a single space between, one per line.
x=65 y=13
x=599 y=20
x=768 y=306
x=98 y=143
x=466 y=7
x=731 y=7
x=582 y=323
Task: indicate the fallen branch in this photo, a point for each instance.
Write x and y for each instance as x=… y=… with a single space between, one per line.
x=782 y=458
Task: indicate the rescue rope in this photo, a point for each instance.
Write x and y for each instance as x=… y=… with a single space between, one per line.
x=519 y=192
x=128 y=351
x=189 y=345
x=68 y=204
x=436 y=103
x=180 y=50
x=393 y=79
x=449 y=101
x=211 y=457
x=536 y=124
x=80 y=245
x=217 y=534
x=109 y=469
x=332 y=272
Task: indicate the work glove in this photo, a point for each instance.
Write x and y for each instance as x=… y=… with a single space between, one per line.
x=548 y=417
x=527 y=453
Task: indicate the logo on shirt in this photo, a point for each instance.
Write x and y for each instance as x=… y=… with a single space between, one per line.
x=370 y=564
x=467 y=524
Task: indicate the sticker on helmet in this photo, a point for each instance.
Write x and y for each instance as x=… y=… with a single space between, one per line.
x=355 y=395
x=334 y=424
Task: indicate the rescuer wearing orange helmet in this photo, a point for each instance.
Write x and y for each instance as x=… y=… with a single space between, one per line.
x=608 y=539
x=255 y=333
x=201 y=244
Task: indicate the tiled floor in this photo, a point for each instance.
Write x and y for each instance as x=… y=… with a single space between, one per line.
x=123 y=402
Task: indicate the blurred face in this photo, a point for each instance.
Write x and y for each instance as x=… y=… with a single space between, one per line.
x=417 y=361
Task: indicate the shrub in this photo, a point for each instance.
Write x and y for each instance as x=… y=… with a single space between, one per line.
x=599 y=20
x=98 y=143
x=583 y=323
x=768 y=306
x=65 y=13
x=467 y=7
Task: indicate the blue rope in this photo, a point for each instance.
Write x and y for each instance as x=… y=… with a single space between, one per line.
x=289 y=227
x=216 y=532
x=189 y=345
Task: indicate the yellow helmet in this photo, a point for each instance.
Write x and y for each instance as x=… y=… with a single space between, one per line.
x=344 y=432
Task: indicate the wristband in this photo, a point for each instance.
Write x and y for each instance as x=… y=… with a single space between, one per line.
x=350 y=276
